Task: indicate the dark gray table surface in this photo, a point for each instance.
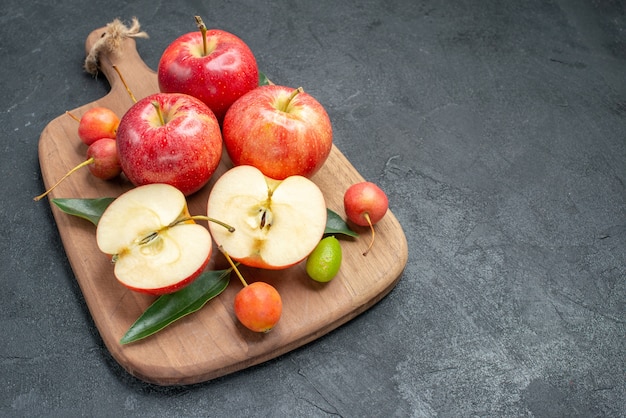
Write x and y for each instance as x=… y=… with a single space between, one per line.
x=498 y=131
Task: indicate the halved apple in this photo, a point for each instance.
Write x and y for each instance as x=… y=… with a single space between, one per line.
x=277 y=222
x=155 y=245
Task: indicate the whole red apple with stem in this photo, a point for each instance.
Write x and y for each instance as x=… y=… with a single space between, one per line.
x=96 y=123
x=102 y=161
x=279 y=130
x=365 y=204
x=215 y=66
x=258 y=306
x=169 y=138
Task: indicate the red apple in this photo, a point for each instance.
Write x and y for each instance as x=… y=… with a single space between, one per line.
x=217 y=70
x=279 y=130
x=169 y=138
x=97 y=123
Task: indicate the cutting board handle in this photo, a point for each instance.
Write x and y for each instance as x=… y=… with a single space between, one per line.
x=140 y=79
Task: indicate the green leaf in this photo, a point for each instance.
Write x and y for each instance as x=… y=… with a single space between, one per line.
x=263 y=80
x=90 y=209
x=169 y=308
x=336 y=225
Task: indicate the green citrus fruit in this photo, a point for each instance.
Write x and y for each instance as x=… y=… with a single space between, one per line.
x=324 y=261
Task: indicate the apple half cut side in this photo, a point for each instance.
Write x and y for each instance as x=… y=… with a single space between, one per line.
x=277 y=222
x=156 y=247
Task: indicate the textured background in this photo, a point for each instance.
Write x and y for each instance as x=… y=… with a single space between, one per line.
x=498 y=131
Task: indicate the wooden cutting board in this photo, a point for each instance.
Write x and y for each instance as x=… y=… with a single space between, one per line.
x=209 y=343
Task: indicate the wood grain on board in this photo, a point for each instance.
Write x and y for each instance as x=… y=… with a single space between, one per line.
x=209 y=343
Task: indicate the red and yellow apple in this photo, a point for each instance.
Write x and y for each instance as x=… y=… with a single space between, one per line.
x=156 y=247
x=279 y=130
x=217 y=69
x=277 y=222
x=169 y=138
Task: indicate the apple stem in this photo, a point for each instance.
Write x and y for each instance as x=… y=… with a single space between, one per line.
x=232 y=264
x=130 y=93
x=73 y=116
x=208 y=219
x=157 y=106
x=369 y=221
x=202 y=28
x=285 y=105
x=81 y=165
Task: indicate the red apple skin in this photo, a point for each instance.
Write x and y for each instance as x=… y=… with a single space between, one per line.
x=365 y=197
x=184 y=152
x=279 y=143
x=106 y=164
x=97 y=123
x=219 y=78
x=170 y=289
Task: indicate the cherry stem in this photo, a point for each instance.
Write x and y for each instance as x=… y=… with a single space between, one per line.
x=206 y=218
x=157 y=106
x=81 y=165
x=130 y=93
x=285 y=105
x=232 y=264
x=369 y=221
x=73 y=116
x=202 y=28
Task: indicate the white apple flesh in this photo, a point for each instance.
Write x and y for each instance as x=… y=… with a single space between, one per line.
x=277 y=222
x=156 y=247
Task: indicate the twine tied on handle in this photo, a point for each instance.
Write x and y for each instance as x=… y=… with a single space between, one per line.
x=111 y=41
